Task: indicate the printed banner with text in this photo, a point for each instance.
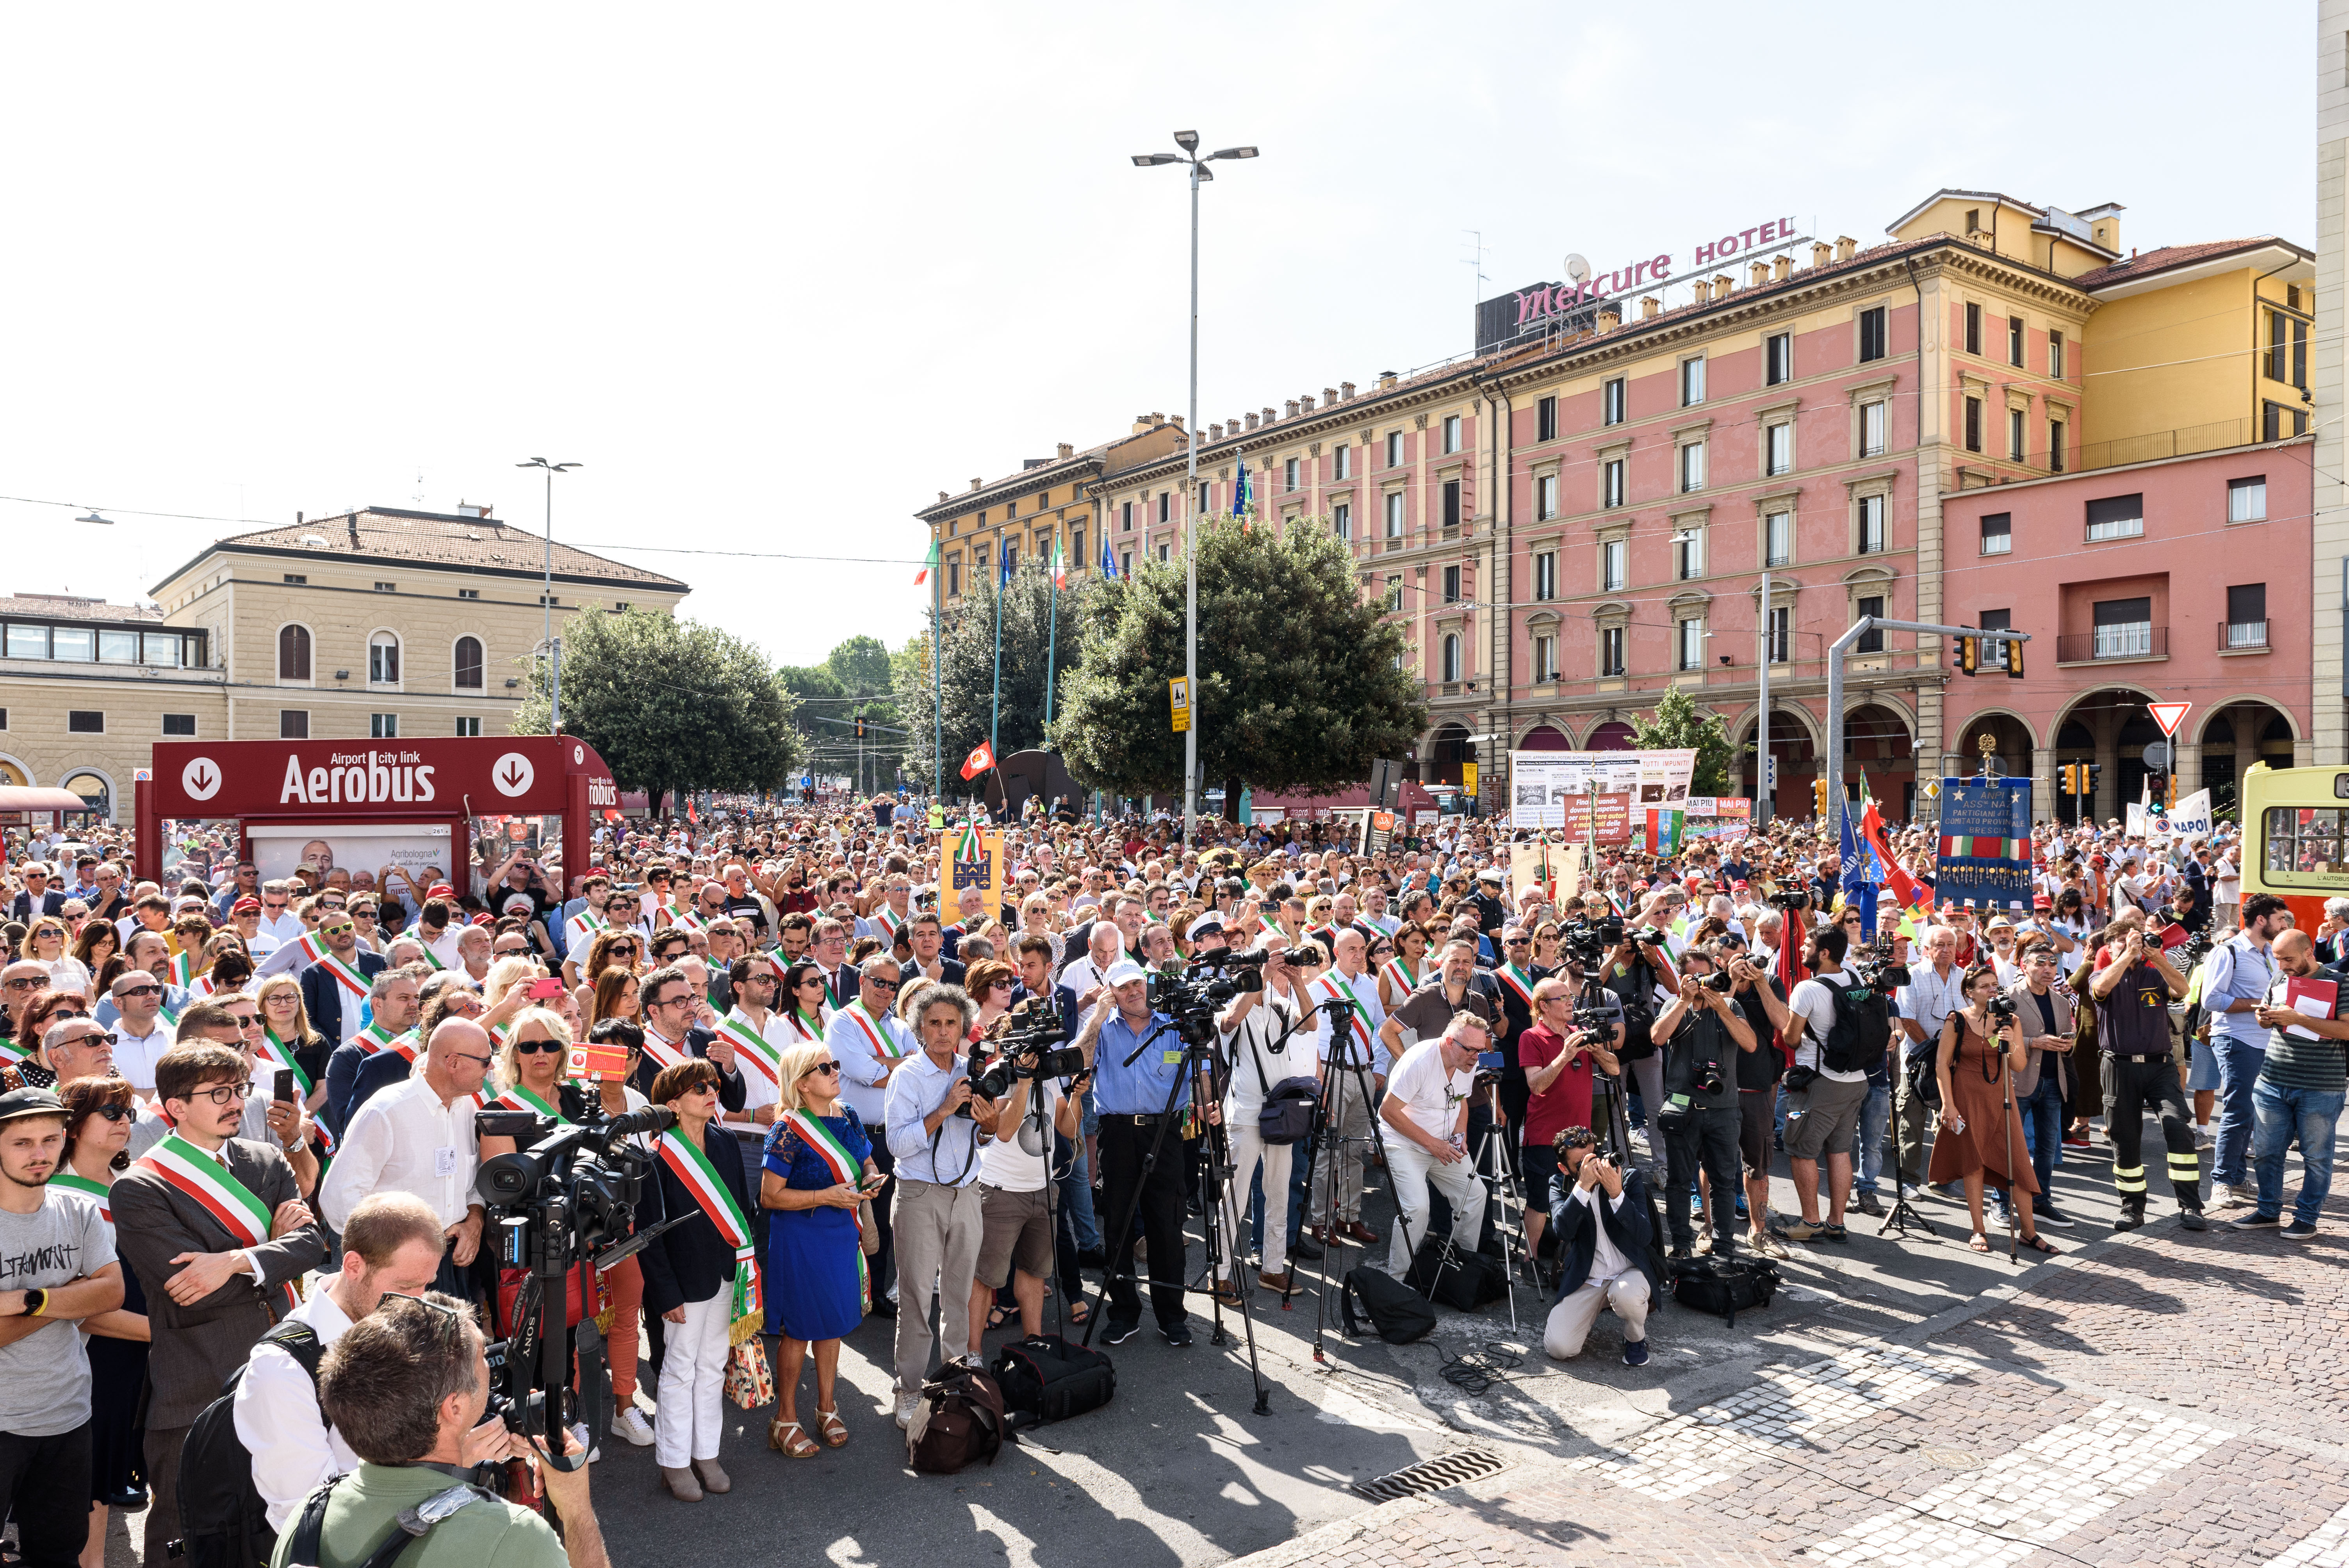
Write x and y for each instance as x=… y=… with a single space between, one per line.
x=1985 y=857
x=1543 y=783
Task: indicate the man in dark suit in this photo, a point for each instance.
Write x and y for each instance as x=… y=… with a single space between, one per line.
x=395 y=999
x=1604 y=1235
x=676 y=1026
x=213 y=1286
x=930 y=961
x=39 y=895
x=333 y=1010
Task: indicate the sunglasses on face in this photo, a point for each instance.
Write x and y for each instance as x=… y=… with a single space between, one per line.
x=824 y=1067
x=126 y=991
x=247 y=1020
x=83 y=1039
x=30 y=985
x=338 y=929
x=116 y=1112
x=533 y=1047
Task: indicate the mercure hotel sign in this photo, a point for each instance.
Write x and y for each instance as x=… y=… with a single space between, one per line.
x=1504 y=316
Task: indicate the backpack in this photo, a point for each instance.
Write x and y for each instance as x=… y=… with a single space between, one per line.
x=1396 y=1310
x=1463 y=1281
x=310 y=1525
x=222 y=1521
x=961 y=1418
x=1862 y=1029
x=1048 y=1379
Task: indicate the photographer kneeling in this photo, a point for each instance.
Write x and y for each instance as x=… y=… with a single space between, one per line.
x=1702 y=1034
x=406 y=1387
x=1603 y=1236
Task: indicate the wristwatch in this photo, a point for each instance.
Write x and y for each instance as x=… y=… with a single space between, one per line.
x=35 y=1302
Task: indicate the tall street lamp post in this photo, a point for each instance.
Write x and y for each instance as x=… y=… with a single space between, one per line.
x=546 y=598
x=1188 y=141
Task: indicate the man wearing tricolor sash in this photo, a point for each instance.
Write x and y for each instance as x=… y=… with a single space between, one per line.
x=334 y=987
x=216 y=1228
x=890 y=915
x=394 y=997
x=760 y=1037
x=869 y=1043
x=678 y=1027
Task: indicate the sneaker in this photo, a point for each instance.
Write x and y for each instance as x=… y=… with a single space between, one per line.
x=1910 y=1191
x=1635 y=1353
x=2205 y=1135
x=2225 y=1197
x=1178 y=1337
x=1119 y=1333
x=2255 y=1220
x=2299 y=1230
x=629 y=1422
x=2075 y=1140
x=907 y=1403
x=1704 y=1245
x=1741 y=1205
x=1833 y=1233
x=1768 y=1246
x=595 y=1455
x=1798 y=1231
x=1869 y=1205
x=2047 y=1216
x=2192 y=1220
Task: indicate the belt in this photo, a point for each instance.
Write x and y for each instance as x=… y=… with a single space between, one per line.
x=1150 y=1119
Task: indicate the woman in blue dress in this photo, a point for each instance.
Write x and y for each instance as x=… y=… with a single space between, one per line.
x=819 y=1168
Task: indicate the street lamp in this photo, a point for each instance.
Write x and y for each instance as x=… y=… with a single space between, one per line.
x=1188 y=141
x=93 y=517
x=546 y=598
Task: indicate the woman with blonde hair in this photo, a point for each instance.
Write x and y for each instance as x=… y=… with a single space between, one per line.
x=288 y=1041
x=530 y=1071
x=506 y=973
x=817 y=1172
x=1036 y=920
x=44 y=942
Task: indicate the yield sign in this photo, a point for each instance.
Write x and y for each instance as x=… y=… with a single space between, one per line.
x=2168 y=715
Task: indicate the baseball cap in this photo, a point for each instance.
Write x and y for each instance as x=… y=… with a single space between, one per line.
x=22 y=1102
x=440 y=890
x=1123 y=972
x=246 y=906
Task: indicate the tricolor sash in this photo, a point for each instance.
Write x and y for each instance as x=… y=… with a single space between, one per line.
x=519 y=1098
x=346 y=974
x=874 y=1031
x=1516 y=980
x=277 y=1054
x=664 y=1053
x=206 y=1179
x=1338 y=991
x=583 y=927
x=801 y=1029
x=891 y=921
x=376 y=1037
x=1396 y=970
x=168 y=1018
x=751 y=1046
x=73 y=1183
x=203 y=985
x=689 y=1165
x=826 y=1146
x=10 y=1055
x=430 y=956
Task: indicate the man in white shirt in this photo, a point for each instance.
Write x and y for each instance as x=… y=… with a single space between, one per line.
x=279 y=923
x=392 y=1246
x=1935 y=990
x=140 y=1033
x=1822 y=1116
x=1355 y=1043
x=417 y=1137
x=1426 y=1112
x=1085 y=975
x=1264 y=1033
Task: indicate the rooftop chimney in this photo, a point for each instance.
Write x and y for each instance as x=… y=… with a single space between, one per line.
x=1292 y=407
x=1386 y=380
x=1157 y=418
x=1067 y=450
x=977 y=484
x=1782 y=268
x=1722 y=284
x=942 y=495
x=1141 y=423
x=1757 y=274
x=1611 y=316
x=1251 y=421
x=1270 y=416
x=1702 y=290
x=1215 y=431
x=1307 y=403
x=1175 y=420
x=1346 y=390
x=1649 y=305
x=1845 y=247
x=1329 y=395
x=1820 y=250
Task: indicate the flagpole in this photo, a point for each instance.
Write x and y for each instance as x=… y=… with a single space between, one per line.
x=937 y=704
x=1052 y=641
x=995 y=714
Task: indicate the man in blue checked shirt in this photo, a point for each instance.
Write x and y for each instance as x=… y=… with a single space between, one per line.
x=1136 y=1067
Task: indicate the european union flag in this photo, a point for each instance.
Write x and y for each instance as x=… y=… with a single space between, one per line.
x=1108 y=559
x=1005 y=575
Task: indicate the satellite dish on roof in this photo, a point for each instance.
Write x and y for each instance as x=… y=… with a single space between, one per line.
x=1575 y=267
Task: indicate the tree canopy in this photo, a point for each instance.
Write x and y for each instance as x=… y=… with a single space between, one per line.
x=1298 y=688
x=967 y=672
x=1678 y=725
x=670 y=704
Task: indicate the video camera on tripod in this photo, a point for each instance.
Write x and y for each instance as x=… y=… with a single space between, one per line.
x=1874 y=967
x=1192 y=998
x=1589 y=941
x=1031 y=1048
x=567 y=1195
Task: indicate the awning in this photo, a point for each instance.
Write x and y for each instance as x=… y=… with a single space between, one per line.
x=22 y=797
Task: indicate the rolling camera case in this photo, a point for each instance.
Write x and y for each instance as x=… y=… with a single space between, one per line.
x=1394 y=1309
x=1048 y=1379
x=1460 y=1280
x=1724 y=1287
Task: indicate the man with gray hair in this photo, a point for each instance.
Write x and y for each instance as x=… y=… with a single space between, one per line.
x=935 y=1123
x=395 y=999
x=1426 y=1109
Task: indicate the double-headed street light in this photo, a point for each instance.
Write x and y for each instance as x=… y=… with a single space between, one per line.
x=1188 y=141
x=554 y=658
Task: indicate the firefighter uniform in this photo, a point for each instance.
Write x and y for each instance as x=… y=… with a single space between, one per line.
x=2139 y=1069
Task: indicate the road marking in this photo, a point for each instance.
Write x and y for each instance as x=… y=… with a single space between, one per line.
x=1686 y=1454
x=2328 y=1547
x=2031 y=1497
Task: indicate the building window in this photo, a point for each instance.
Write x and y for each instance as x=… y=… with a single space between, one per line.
x=27 y=642
x=1341 y=462
x=383 y=659
x=1394 y=449
x=1997 y=534
x=1166 y=497
x=1394 y=514
x=1781 y=633
x=2278 y=345
x=386 y=587
x=1546 y=420
x=1687 y=554
x=293 y=652
x=1778 y=539
x=1692 y=382
x=2054 y=356
x=1690 y=640
x=1287 y=475
x=550 y=601
x=1871 y=429
x=1077 y=549
x=1614 y=560
x=1612 y=398
x=2124 y=628
x=1997 y=620
x=179 y=724
x=1166 y=551
x=1871 y=525
x=2014 y=341
x=2247 y=499
x=1778 y=359
x=2117 y=517
x=2299 y=354
x=2014 y=437
x=1973 y=424
x=1544 y=660
x=292 y=724
x=2247 y=615
x=1451 y=584
x=1451 y=504
x=1778 y=450
x=1692 y=467
x=1546 y=496
x=466 y=673
x=953 y=578
x=1451 y=433
x=1451 y=658
x=1125 y=516
x=1341 y=518
x=2055 y=445
x=383 y=727
x=1613 y=481
x=1394 y=596
x=85 y=721
x=1973 y=329
x=468 y=727
x=1125 y=562
x=1205 y=505
x=1872 y=640
x=1610 y=650
x=1546 y=575
x=619 y=606
x=1871 y=335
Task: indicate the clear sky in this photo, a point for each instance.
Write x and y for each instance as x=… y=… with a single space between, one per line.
x=779 y=274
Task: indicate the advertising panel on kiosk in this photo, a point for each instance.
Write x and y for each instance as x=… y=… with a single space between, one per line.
x=367 y=804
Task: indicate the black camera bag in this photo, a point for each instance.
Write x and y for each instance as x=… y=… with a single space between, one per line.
x=1463 y=1281
x=960 y=1418
x=1396 y=1312
x=1048 y=1379
x=1724 y=1287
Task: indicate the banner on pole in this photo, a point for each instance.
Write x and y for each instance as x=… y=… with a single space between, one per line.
x=1985 y=856
x=1543 y=783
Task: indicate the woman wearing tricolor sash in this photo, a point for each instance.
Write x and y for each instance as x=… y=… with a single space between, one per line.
x=700 y=1276
x=99 y=1113
x=818 y=1169
x=1404 y=973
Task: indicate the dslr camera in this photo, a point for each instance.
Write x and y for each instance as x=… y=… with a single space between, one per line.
x=1874 y=967
x=2002 y=1010
x=1211 y=982
x=1031 y=1049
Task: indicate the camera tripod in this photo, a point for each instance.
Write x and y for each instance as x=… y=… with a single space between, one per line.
x=1499 y=1173
x=1903 y=1213
x=1199 y=1064
x=1346 y=1063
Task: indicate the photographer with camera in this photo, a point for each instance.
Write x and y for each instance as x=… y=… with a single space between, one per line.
x=1639 y=972
x=1558 y=1054
x=1762 y=1002
x=406 y=1387
x=1017 y=1244
x=1701 y=1033
x=1427 y=1106
x=1980 y=1137
x=934 y=1122
x=1824 y=1097
x=1258 y=1030
x=1604 y=1237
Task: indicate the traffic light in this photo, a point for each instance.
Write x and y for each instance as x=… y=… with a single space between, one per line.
x=2095 y=775
x=1820 y=797
x=2014 y=659
x=1966 y=653
x=860 y=727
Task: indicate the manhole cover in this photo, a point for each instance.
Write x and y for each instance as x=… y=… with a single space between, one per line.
x=1951 y=1458
x=1434 y=1475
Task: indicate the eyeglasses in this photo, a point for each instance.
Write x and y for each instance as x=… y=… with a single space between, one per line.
x=126 y=991
x=224 y=1094
x=282 y=999
x=247 y=1020
x=116 y=1112
x=887 y=985
x=533 y=1047
x=825 y=1068
x=274 y=907
x=622 y=950
x=35 y=983
x=84 y=1039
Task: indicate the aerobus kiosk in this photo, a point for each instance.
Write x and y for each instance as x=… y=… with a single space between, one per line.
x=369 y=804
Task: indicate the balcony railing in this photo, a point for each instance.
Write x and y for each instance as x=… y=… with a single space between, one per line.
x=2239 y=637
x=2130 y=640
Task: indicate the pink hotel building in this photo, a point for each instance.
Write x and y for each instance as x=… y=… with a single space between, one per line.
x=1574 y=520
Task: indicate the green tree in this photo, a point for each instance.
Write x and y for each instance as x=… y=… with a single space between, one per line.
x=1678 y=725
x=967 y=674
x=670 y=703
x=861 y=665
x=1299 y=686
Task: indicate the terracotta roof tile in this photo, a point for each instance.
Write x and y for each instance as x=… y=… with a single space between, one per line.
x=72 y=607
x=487 y=544
x=2168 y=256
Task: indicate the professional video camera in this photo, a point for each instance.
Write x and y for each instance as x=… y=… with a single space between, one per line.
x=1031 y=1048
x=1792 y=898
x=1589 y=941
x=2192 y=951
x=1192 y=998
x=1876 y=968
x=2001 y=1009
x=566 y=1196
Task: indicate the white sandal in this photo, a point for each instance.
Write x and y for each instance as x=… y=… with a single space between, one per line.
x=777 y=1437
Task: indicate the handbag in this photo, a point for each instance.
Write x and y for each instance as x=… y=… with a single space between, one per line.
x=1289 y=1107
x=868 y=1230
x=749 y=1382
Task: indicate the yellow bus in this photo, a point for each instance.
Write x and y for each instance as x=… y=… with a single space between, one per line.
x=2295 y=821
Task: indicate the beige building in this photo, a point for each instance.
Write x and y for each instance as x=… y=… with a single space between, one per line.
x=377 y=623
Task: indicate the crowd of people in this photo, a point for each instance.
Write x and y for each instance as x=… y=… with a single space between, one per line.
x=233 y=1103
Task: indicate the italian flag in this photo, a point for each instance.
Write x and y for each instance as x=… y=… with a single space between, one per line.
x=1059 y=566
x=689 y=1165
x=183 y=969
x=970 y=848
x=751 y=1047
x=929 y=564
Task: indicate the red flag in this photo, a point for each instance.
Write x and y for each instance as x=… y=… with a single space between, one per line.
x=1897 y=881
x=981 y=758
